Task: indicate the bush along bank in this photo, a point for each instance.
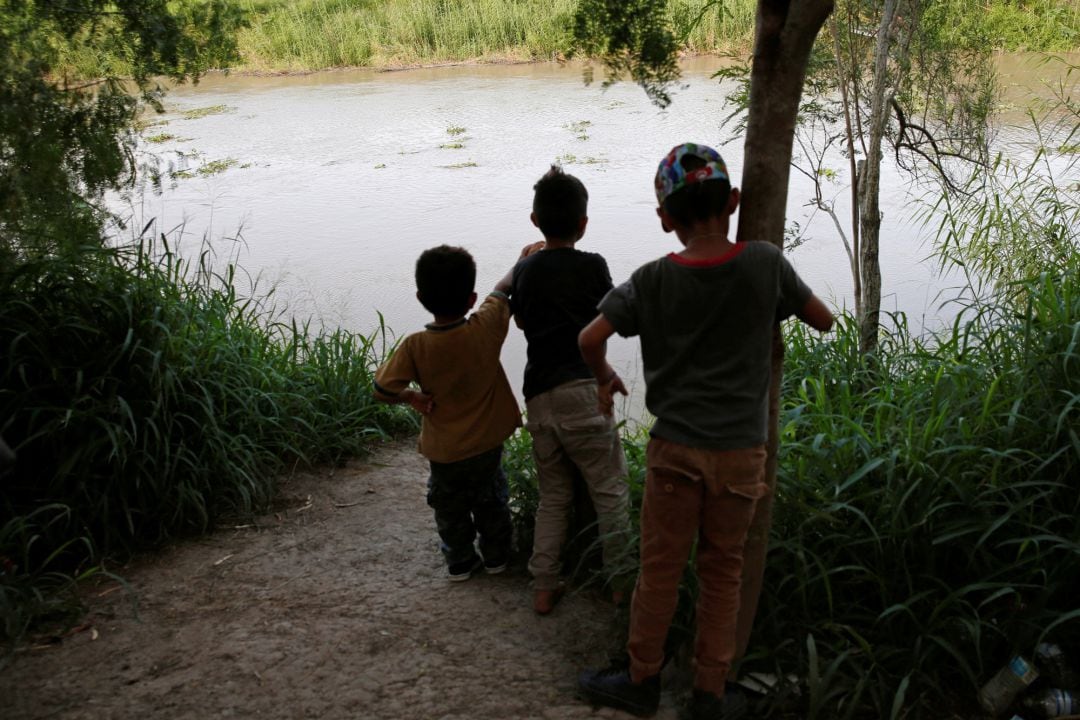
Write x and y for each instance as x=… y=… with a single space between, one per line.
x=144 y=399
x=927 y=516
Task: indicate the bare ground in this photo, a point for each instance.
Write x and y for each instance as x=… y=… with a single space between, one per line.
x=333 y=606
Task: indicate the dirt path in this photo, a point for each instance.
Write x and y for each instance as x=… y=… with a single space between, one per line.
x=334 y=606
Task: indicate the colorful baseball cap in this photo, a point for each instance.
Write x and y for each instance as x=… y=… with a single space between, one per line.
x=671 y=176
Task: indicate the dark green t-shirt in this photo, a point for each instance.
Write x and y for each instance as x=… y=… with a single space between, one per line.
x=706 y=332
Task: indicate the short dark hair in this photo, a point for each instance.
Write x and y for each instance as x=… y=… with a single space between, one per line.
x=445 y=278
x=698 y=201
x=559 y=203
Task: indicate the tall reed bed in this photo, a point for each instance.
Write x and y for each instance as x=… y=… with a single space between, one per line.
x=145 y=399
x=927 y=517
x=314 y=34
x=927 y=522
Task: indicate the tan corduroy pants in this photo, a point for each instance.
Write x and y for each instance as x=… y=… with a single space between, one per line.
x=707 y=496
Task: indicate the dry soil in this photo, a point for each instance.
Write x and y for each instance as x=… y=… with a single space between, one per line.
x=334 y=605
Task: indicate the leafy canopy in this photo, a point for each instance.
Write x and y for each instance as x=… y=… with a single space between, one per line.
x=633 y=37
x=66 y=139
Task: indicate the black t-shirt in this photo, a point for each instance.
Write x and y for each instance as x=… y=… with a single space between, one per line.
x=554 y=295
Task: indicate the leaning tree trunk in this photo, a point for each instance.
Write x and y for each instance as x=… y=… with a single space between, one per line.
x=784 y=35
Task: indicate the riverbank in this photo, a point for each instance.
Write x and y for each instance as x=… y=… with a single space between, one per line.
x=333 y=605
x=315 y=34
x=304 y=35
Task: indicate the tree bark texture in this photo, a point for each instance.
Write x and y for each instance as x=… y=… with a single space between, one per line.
x=784 y=36
x=870 y=186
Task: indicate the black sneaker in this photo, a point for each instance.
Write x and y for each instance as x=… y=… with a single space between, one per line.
x=732 y=705
x=462 y=571
x=494 y=567
x=496 y=564
x=612 y=687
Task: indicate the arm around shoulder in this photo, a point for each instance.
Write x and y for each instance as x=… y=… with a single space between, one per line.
x=816 y=314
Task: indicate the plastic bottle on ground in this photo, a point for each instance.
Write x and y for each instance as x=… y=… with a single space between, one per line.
x=1051 y=703
x=998 y=694
x=1055 y=668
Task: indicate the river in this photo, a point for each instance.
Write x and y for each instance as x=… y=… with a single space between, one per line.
x=336 y=181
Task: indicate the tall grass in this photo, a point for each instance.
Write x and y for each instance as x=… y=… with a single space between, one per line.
x=145 y=399
x=927 y=517
x=313 y=34
x=1038 y=25
x=926 y=524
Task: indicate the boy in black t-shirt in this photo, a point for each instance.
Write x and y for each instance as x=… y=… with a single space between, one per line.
x=554 y=295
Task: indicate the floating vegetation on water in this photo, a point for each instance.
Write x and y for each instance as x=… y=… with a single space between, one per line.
x=217 y=166
x=214 y=167
x=196 y=113
x=160 y=138
x=452 y=146
x=1069 y=149
x=380 y=166
x=455 y=130
x=141 y=125
x=571 y=159
x=578 y=128
x=458 y=166
x=614 y=104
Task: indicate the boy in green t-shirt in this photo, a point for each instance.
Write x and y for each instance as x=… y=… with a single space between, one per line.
x=705 y=316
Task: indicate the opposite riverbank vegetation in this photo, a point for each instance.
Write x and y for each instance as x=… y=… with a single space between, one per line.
x=316 y=34
x=296 y=36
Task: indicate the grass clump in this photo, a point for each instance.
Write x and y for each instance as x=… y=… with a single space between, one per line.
x=1037 y=25
x=926 y=522
x=927 y=511
x=312 y=34
x=145 y=398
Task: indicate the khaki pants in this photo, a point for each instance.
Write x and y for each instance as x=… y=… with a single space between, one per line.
x=570 y=435
x=692 y=495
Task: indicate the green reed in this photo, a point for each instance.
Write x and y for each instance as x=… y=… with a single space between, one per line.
x=314 y=34
x=926 y=521
x=927 y=518
x=1037 y=25
x=146 y=399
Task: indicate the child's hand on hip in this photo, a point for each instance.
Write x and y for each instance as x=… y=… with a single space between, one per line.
x=421 y=402
x=605 y=392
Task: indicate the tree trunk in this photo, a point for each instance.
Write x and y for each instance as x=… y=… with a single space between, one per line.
x=869 y=189
x=844 y=79
x=784 y=35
